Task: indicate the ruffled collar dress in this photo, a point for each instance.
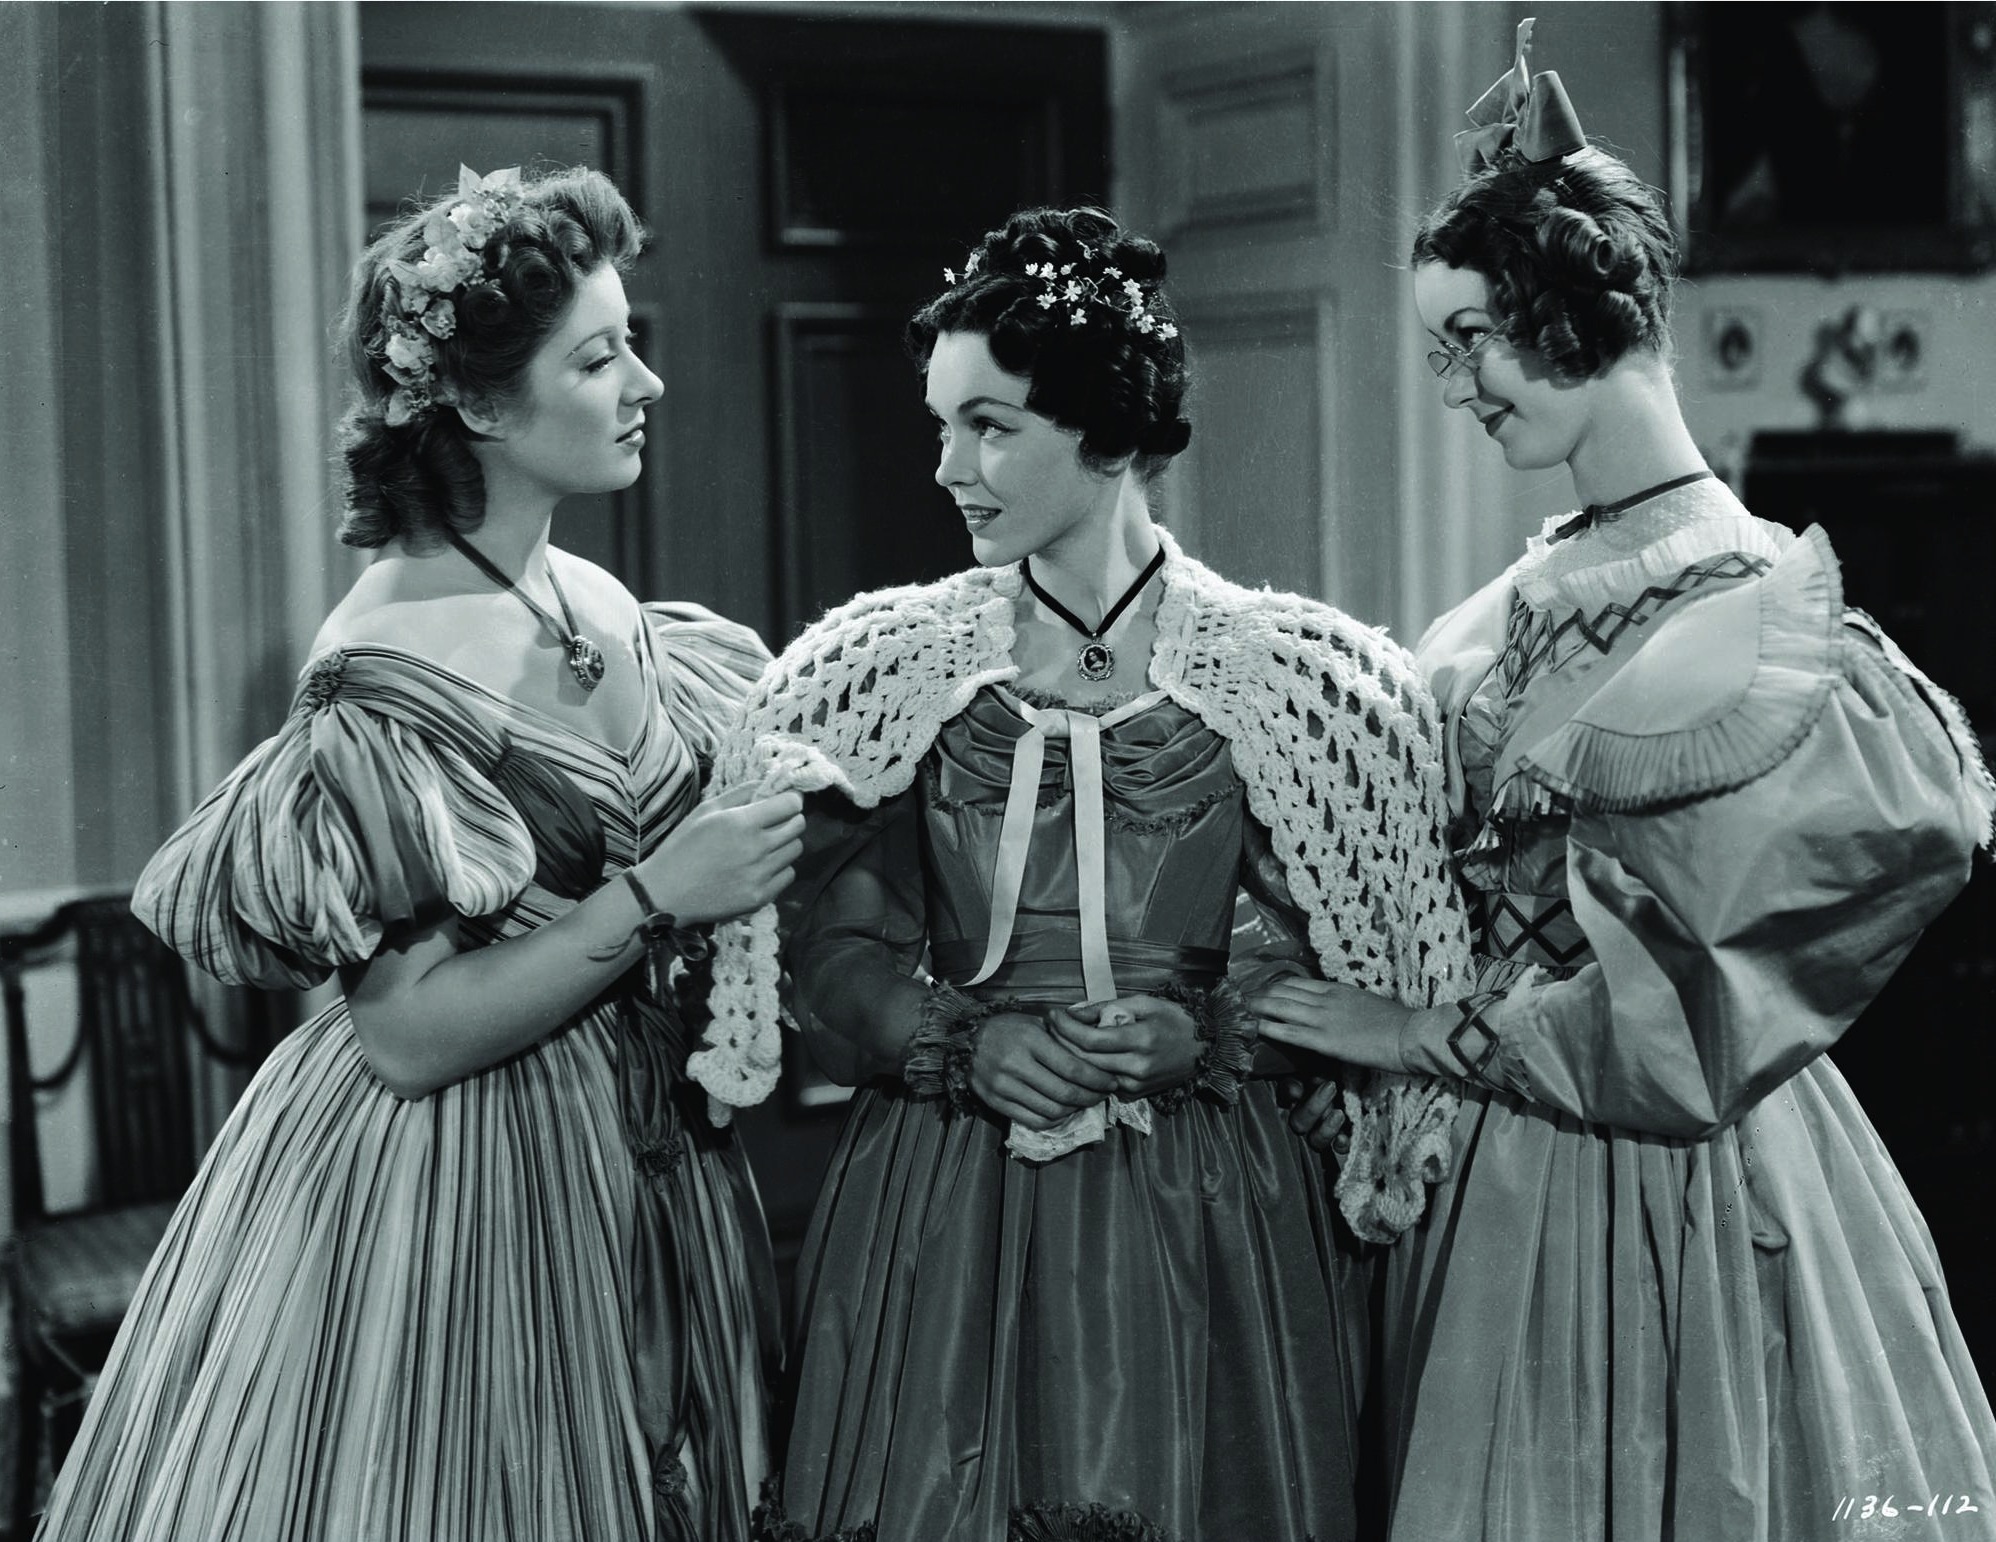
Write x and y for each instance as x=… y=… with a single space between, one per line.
x=1675 y=1287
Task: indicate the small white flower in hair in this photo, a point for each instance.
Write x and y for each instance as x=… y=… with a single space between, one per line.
x=1113 y=272
x=949 y=275
x=1073 y=289
x=1167 y=330
x=475 y=222
x=1046 y=301
x=1145 y=323
x=1076 y=319
x=444 y=269
x=1066 y=269
x=408 y=351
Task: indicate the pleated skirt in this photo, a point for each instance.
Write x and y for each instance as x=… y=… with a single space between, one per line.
x=1163 y=1325
x=378 y=1320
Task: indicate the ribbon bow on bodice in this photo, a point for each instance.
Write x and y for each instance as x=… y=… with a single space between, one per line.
x=1530 y=111
x=1083 y=732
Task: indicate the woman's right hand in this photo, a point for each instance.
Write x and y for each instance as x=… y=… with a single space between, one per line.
x=731 y=855
x=1023 y=1073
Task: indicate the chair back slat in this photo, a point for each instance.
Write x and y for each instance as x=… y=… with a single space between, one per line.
x=23 y=1146
x=135 y=1014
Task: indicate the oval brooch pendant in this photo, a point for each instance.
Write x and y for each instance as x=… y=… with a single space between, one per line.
x=585 y=661
x=1097 y=661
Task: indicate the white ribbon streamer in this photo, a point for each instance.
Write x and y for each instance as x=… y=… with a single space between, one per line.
x=1083 y=731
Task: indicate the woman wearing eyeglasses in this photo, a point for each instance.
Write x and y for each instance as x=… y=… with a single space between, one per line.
x=1675 y=1287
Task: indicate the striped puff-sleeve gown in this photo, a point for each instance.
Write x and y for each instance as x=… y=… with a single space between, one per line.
x=536 y=1304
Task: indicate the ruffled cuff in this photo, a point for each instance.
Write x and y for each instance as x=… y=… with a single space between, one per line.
x=937 y=1062
x=1229 y=1033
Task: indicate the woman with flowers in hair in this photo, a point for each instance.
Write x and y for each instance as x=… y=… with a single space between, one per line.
x=1072 y=1272
x=470 y=1259
x=1675 y=1287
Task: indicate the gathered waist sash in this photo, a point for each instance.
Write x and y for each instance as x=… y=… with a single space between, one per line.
x=1045 y=965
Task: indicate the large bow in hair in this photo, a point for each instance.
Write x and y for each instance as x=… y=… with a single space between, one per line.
x=1530 y=111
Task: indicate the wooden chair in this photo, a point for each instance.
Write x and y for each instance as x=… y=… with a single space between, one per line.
x=73 y=1275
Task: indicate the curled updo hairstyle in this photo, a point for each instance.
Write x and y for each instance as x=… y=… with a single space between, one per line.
x=1578 y=252
x=1120 y=387
x=420 y=478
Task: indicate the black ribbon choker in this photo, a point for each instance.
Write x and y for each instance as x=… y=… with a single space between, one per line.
x=1097 y=660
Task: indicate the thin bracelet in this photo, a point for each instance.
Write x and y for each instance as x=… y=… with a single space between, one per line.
x=648 y=905
x=662 y=936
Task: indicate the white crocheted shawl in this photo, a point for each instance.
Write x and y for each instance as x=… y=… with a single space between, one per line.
x=1332 y=731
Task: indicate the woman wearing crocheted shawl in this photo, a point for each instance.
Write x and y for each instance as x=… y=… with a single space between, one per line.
x=1676 y=1288
x=468 y=1261
x=1070 y=1260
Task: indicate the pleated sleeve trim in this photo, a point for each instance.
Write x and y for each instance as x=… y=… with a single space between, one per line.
x=707 y=665
x=1719 y=695
x=370 y=809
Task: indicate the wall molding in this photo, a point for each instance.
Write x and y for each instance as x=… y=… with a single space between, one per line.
x=1263 y=118
x=1300 y=322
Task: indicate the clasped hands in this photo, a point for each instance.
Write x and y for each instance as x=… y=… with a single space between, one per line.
x=1037 y=1070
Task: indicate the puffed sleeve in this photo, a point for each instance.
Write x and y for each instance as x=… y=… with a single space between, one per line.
x=1737 y=935
x=1271 y=933
x=707 y=666
x=855 y=926
x=345 y=823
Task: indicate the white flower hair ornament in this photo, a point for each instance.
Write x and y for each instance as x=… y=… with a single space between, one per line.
x=1108 y=288
x=416 y=305
x=1076 y=291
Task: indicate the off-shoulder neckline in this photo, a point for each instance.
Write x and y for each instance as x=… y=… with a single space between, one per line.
x=568 y=730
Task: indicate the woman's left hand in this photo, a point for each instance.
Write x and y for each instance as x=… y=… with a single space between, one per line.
x=1146 y=1042
x=1340 y=1021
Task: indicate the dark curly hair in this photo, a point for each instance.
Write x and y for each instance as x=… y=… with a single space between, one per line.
x=420 y=478
x=1121 y=388
x=1579 y=254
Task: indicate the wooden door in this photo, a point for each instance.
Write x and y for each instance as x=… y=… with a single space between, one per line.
x=886 y=149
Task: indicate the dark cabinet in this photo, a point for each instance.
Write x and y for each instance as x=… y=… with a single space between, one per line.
x=1913 y=521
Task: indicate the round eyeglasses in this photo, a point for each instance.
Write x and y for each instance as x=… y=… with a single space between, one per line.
x=1447 y=358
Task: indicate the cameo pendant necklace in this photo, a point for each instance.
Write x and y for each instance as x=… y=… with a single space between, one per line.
x=585 y=659
x=1097 y=660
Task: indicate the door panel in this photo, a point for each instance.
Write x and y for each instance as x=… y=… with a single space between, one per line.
x=887 y=151
x=844 y=389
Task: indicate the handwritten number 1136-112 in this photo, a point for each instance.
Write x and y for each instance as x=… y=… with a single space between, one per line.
x=1851 y=1508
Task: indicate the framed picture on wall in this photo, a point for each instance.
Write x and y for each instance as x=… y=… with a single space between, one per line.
x=1834 y=138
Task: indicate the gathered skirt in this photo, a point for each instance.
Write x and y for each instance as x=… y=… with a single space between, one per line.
x=1603 y=1337
x=378 y=1320
x=1165 y=1325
